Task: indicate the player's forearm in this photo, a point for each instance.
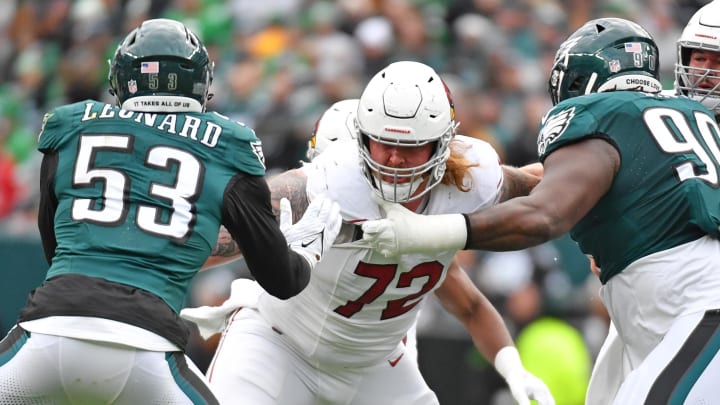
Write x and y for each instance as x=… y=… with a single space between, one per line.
x=518 y=182
x=488 y=331
x=48 y=205
x=249 y=218
x=460 y=297
x=290 y=275
x=226 y=250
x=536 y=169
x=215 y=261
x=514 y=225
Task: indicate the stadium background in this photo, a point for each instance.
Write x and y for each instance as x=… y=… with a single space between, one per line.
x=279 y=64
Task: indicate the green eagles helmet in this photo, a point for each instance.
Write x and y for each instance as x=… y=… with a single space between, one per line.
x=161 y=66
x=605 y=54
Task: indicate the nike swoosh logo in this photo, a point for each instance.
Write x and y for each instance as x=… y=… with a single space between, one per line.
x=321 y=235
x=393 y=363
x=303 y=244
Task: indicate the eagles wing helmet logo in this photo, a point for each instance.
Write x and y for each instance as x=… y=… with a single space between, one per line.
x=553 y=127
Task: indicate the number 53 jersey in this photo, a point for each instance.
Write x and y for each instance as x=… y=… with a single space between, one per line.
x=665 y=192
x=146 y=188
x=359 y=305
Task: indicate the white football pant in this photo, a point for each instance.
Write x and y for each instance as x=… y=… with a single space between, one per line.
x=255 y=365
x=44 y=369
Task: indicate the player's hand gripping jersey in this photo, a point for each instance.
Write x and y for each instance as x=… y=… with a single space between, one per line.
x=359 y=304
x=672 y=206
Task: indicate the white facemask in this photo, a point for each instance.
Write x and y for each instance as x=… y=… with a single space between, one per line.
x=400 y=193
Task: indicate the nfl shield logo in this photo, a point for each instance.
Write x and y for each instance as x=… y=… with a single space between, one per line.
x=132 y=86
x=614 y=66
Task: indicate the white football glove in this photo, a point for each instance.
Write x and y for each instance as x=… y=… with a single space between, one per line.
x=403 y=231
x=315 y=232
x=523 y=385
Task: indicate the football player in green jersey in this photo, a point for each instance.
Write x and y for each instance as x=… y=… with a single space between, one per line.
x=633 y=175
x=132 y=198
x=697 y=76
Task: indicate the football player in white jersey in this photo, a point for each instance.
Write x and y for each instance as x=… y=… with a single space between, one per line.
x=336 y=124
x=340 y=341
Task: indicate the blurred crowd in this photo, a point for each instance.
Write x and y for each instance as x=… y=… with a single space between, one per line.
x=281 y=63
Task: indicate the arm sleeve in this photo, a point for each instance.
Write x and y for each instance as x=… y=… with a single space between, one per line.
x=48 y=205
x=248 y=216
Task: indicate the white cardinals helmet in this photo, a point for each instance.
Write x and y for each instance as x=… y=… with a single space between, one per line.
x=405 y=104
x=337 y=123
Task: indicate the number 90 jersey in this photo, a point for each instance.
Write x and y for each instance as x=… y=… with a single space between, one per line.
x=358 y=304
x=140 y=194
x=665 y=192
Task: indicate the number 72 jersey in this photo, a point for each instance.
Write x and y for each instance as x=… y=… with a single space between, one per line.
x=359 y=305
x=665 y=192
x=139 y=195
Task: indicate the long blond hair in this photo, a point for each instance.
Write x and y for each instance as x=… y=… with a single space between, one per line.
x=458 y=167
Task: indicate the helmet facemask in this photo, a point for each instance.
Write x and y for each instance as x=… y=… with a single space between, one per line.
x=688 y=83
x=702 y=32
x=407 y=105
x=402 y=184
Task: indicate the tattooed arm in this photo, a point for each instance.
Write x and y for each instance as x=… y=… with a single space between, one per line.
x=225 y=250
x=291 y=185
x=518 y=182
